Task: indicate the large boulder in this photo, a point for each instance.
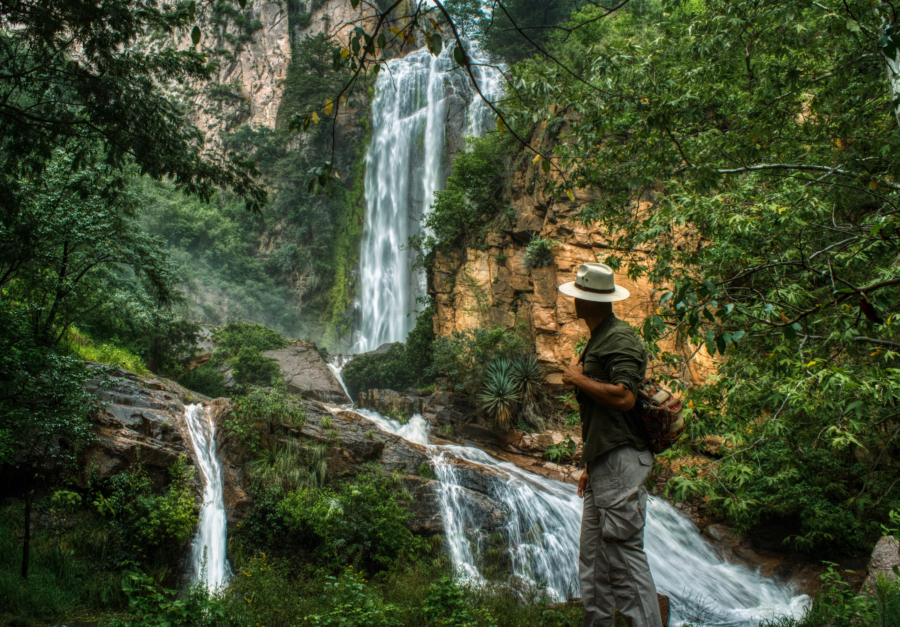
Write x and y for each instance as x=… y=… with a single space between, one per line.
x=885 y=557
x=305 y=372
x=143 y=422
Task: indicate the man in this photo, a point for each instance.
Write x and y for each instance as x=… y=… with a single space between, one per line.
x=612 y=565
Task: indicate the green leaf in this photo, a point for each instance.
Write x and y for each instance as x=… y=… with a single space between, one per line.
x=192 y=10
x=354 y=3
x=195 y=35
x=737 y=336
x=459 y=55
x=545 y=166
x=382 y=42
x=435 y=44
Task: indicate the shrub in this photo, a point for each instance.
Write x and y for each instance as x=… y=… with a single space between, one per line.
x=401 y=366
x=251 y=367
x=354 y=604
x=206 y=380
x=538 y=253
x=463 y=356
x=446 y=606
x=231 y=338
x=360 y=522
x=151 y=527
x=287 y=466
x=149 y=606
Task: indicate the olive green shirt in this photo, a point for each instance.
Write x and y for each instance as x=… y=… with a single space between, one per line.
x=614 y=355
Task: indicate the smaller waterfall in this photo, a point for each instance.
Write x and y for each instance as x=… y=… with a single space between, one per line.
x=208 y=561
x=542 y=536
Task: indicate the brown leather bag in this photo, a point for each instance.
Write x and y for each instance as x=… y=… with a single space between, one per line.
x=660 y=412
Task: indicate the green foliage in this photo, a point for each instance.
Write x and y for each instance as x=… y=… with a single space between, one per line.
x=354 y=604
x=399 y=367
x=235 y=336
x=446 y=606
x=151 y=528
x=288 y=466
x=768 y=134
x=500 y=395
x=425 y=471
x=359 y=522
x=472 y=197
x=538 y=253
x=150 y=606
x=463 y=356
x=565 y=450
x=270 y=407
x=251 y=367
x=207 y=380
x=69 y=568
x=72 y=78
x=109 y=354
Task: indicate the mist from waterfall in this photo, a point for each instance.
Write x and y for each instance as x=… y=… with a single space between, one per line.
x=405 y=165
x=208 y=561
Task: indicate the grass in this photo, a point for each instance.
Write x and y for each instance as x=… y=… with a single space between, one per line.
x=83 y=346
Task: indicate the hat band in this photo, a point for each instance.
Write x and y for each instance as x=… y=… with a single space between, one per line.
x=594 y=290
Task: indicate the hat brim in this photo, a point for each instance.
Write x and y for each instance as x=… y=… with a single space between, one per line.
x=570 y=289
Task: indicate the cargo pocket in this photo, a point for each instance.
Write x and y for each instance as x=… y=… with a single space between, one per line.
x=624 y=518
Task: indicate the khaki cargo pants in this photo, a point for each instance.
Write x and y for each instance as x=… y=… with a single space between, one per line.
x=612 y=565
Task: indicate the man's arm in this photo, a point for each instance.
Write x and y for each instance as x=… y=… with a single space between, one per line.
x=612 y=395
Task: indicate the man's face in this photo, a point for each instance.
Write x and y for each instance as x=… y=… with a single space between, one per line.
x=580 y=308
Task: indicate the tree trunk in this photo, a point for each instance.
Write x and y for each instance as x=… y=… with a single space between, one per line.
x=26 y=544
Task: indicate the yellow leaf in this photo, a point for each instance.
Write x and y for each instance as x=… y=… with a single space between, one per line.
x=329 y=105
x=570 y=194
x=433 y=23
x=345 y=52
x=394 y=30
x=873 y=184
x=337 y=176
x=315 y=117
x=536 y=159
x=501 y=126
x=811 y=364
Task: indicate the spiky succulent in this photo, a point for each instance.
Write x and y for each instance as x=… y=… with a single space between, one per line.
x=528 y=375
x=500 y=394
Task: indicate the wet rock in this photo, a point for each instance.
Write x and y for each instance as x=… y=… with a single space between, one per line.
x=306 y=373
x=486 y=514
x=885 y=556
x=142 y=423
x=386 y=402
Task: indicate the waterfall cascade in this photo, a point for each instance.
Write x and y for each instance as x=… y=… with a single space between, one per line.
x=416 y=99
x=544 y=518
x=208 y=561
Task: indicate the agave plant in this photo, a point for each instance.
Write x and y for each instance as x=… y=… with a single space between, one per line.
x=500 y=395
x=528 y=374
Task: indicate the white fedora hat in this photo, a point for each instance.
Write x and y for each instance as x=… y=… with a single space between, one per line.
x=596 y=282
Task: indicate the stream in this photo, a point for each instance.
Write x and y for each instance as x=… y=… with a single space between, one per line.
x=542 y=541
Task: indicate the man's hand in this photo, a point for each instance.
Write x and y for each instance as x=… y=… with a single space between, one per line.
x=582 y=484
x=573 y=374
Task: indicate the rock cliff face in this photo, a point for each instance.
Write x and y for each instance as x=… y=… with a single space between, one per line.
x=492 y=287
x=252 y=49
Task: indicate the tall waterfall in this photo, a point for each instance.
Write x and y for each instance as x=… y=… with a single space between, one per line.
x=544 y=518
x=416 y=99
x=208 y=561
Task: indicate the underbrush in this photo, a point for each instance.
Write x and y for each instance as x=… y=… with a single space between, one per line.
x=68 y=573
x=110 y=354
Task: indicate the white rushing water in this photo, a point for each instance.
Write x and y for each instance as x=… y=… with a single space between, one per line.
x=416 y=99
x=544 y=519
x=208 y=561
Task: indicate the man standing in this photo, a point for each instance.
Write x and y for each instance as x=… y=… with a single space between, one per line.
x=612 y=565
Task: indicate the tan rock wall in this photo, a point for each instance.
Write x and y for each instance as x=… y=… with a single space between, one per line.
x=485 y=288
